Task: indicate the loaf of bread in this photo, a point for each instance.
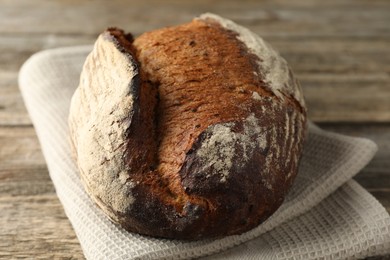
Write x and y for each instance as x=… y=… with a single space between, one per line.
x=187 y=132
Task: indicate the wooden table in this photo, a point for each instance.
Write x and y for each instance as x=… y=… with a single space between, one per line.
x=339 y=49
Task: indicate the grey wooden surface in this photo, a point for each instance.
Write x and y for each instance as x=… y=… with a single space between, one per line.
x=339 y=49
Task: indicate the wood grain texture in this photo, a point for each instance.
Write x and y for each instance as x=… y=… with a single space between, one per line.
x=48 y=234
x=339 y=49
x=33 y=223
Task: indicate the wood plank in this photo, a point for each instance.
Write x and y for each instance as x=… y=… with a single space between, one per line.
x=13 y=53
x=23 y=170
x=345 y=55
x=36 y=227
x=33 y=223
x=291 y=17
x=347 y=98
x=25 y=180
x=15 y=49
x=12 y=109
x=19 y=146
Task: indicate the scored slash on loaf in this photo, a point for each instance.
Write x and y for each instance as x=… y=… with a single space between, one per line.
x=187 y=132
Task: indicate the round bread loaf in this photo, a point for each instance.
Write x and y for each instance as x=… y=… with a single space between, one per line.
x=187 y=132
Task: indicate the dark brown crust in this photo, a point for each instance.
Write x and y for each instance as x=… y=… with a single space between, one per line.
x=187 y=84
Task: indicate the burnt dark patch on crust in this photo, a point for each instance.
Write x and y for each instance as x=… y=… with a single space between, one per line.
x=149 y=215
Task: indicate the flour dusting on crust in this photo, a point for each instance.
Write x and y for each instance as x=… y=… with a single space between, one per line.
x=272 y=66
x=256 y=96
x=219 y=147
x=100 y=137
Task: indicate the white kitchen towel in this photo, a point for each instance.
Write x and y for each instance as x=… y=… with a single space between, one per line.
x=325 y=215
